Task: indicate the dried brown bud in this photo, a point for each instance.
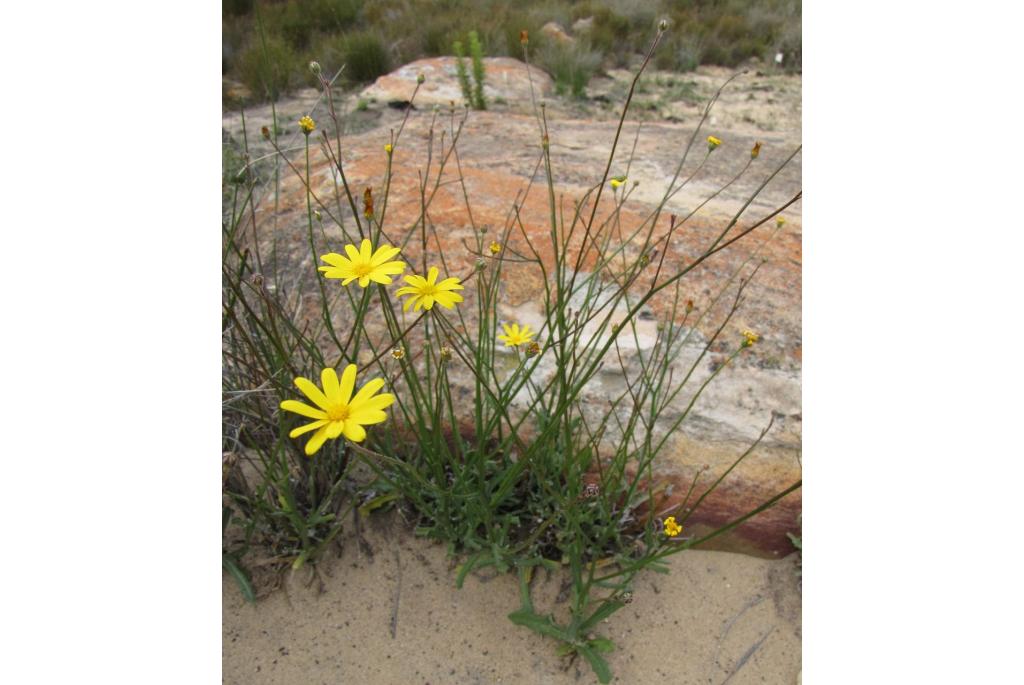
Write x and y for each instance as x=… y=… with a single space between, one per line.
x=266 y=132
x=524 y=37
x=368 y=203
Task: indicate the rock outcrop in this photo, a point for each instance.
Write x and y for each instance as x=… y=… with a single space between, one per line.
x=498 y=156
x=506 y=79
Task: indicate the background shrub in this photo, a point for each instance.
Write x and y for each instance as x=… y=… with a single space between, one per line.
x=365 y=56
x=570 y=66
x=373 y=37
x=268 y=69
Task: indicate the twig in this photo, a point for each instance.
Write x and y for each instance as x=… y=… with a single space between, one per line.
x=398 y=594
x=749 y=653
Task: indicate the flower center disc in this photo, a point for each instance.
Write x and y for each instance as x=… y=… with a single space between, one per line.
x=361 y=270
x=338 y=412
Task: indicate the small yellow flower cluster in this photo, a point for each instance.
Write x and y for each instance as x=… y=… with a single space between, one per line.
x=337 y=411
x=398 y=352
x=672 y=528
x=495 y=248
x=307 y=124
x=426 y=291
x=756 y=150
x=366 y=264
x=780 y=221
x=749 y=338
x=713 y=143
x=617 y=181
x=389 y=148
x=515 y=336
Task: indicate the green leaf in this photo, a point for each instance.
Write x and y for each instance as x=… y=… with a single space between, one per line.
x=240 y=576
x=543 y=625
x=603 y=612
x=597 y=662
x=463 y=570
x=376 y=503
x=602 y=644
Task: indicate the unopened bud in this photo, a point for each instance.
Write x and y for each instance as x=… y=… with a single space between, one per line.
x=420 y=78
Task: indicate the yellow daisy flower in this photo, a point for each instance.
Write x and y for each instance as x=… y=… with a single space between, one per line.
x=307 y=125
x=672 y=528
x=364 y=264
x=617 y=181
x=713 y=142
x=426 y=291
x=514 y=336
x=495 y=248
x=749 y=338
x=389 y=148
x=337 y=412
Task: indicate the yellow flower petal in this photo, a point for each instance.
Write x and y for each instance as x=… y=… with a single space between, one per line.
x=390 y=268
x=317 y=441
x=334 y=259
x=365 y=250
x=335 y=428
x=365 y=393
x=312 y=392
x=450 y=284
x=367 y=417
x=354 y=432
x=306 y=428
x=382 y=401
x=329 y=379
x=348 y=381
x=432 y=275
x=384 y=254
x=352 y=252
x=302 y=409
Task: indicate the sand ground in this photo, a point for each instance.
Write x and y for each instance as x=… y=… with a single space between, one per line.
x=388 y=612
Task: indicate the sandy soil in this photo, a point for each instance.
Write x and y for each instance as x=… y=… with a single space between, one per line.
x=393 y=615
